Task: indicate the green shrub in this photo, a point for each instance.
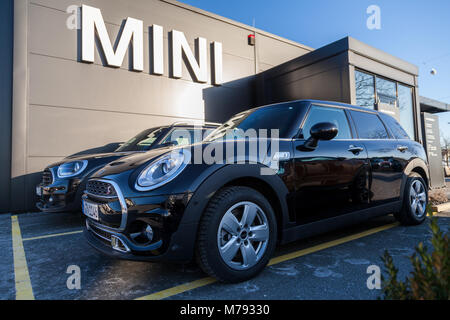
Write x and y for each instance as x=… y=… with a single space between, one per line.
x=430 y=278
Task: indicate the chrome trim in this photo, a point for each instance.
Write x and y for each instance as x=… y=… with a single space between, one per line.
x=122 y=202
x=93 y=231
x=111 y=241
x=100 y=196
x=116 y=247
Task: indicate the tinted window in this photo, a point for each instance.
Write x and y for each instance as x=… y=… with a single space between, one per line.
x=369 y=125
x=365 y=89
x=142 y=142
x=322 y=114
x=395 y=127
x=180 y=136
x=278 y=117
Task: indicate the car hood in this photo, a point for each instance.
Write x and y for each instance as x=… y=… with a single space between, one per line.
x=130 y=162
x=94 y=156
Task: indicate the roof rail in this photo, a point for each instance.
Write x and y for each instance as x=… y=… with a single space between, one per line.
x=195 y=123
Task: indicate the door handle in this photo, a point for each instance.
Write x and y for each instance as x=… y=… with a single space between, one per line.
x=402 y=148
x=355 y=149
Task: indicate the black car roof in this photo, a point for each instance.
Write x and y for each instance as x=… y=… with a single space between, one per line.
x=331 y=103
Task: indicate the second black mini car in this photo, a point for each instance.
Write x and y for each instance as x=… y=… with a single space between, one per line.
x=64 y=182
x=329 y=165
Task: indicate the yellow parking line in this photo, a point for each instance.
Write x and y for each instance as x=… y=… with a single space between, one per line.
x=206 y=281
x=24 y=291
x=330 y=244
x=53 y=235
x=179 y=289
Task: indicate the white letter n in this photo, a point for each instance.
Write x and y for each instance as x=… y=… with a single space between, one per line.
x=180 y=45
x=92 y=20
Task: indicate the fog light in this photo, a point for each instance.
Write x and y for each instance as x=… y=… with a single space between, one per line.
x=50 y=199
x=118 y=245
x=148 y=233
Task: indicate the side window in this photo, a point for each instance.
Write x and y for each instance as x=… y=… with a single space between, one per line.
x=147 y=141
x=396 y=129
x=181 y=136
x=369 y=125
x=323 y=114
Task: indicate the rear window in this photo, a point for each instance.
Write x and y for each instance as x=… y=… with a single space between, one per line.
x=395 y=127
x=369 y=125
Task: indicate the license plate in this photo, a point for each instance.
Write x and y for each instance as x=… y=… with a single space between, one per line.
x=39 y=191
x=90 y=210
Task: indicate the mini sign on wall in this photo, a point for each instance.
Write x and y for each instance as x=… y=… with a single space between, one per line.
x=93 y=25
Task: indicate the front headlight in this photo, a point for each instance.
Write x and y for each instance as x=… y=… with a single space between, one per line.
x=71 y=169
x=162 y=170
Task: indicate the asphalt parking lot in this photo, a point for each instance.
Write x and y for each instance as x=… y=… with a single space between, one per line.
x=38 y=249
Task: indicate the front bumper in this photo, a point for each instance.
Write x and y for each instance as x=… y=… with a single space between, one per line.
x=180 y=248
x=60 y=196
x=119 y=229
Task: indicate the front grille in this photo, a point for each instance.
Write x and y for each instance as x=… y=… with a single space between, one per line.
x=101 y=189
x=99 y=232
x=47 y=177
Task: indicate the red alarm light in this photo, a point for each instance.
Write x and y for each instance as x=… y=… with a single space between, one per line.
x=251 y=39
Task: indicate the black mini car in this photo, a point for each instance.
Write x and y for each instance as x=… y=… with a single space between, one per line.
x=327 y=165
x=64 y=182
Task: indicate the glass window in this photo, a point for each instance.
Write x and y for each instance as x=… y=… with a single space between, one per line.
x=181 y=136
x=369 y=125
x=142 y=142
x=405 y=104
x=386 y=91
x=334 y=115
x=394 y=126
x=365 y=89
x=281 y=117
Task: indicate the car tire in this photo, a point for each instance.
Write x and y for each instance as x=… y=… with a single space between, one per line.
x=415 y=191
x=228 y=248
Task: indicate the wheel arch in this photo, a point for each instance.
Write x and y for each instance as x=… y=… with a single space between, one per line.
x=418 y=166
x=271 y=186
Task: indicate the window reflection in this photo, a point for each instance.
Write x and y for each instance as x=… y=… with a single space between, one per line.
x=389 y=93
x=386 y=91
x=405 y=104
x=365 y=89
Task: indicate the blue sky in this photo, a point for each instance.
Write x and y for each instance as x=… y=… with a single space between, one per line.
x=417 y=31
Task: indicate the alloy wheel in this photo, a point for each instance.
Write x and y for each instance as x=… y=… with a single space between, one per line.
x=243 y=235
x=418 y=198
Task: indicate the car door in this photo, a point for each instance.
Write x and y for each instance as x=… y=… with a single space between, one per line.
x=387 y=157
x=332 y=179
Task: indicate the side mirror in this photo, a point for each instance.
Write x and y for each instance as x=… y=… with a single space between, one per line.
x=321 y=131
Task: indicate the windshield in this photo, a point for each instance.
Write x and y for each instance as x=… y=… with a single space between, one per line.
x=278 y=117
x=142 y=142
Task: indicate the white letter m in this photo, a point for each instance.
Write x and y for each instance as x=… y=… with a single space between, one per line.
x=92 y=20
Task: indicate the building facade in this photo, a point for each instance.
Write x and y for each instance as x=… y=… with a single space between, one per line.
x=85 y=75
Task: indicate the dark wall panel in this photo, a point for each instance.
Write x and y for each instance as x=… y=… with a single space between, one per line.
x=6 y=62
